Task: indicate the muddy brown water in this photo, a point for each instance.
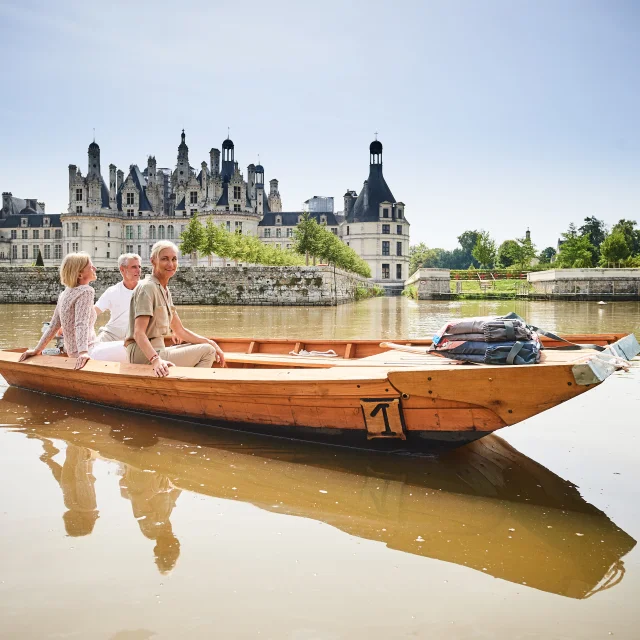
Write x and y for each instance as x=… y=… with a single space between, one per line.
x=119 y=526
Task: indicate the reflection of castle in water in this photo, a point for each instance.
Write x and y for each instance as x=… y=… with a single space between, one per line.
x=484 y=496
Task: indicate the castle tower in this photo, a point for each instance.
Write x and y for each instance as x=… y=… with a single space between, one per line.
x=181 y=174
x=94 y=179
x=94 y=160
x=275 y=203
x=260 y=189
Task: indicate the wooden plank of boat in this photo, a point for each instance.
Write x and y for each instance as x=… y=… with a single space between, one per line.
x=387 y=400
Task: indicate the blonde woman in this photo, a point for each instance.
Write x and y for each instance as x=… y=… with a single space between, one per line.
x=74 y=311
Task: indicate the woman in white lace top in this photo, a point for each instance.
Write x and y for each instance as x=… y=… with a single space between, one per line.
x=74 y=311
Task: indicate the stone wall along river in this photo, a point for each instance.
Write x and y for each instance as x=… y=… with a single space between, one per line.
x=273 y=286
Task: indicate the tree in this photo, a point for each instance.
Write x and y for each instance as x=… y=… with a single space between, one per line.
x=614 y=248
x=211 y=239
x=595 y=230
x=508 y=253
x=306 y=236
x=575 y=251
x=418 y=254
x=467 y=241
x=39 y=260
x=547 y=255
x=526 y=252
x=631 y=234
x=484 y=250
x=191 y=239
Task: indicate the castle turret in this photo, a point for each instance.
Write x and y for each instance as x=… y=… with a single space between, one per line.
x=94 y=160
x=119 y=179
x=227 y=159
x=181 y=174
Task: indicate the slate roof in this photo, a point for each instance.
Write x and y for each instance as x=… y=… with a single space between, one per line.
x=140 y=184
x=290 y=218
x=374 y=191
x=16 y=205
x=15 y=221
x=181 y=205
x=224 y=198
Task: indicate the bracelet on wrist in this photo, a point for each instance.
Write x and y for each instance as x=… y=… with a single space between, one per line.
x=154 y=358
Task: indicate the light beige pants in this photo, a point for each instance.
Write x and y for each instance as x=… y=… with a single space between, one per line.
x=182 y=355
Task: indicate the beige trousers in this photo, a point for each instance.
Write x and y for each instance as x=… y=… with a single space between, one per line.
x=182 y=355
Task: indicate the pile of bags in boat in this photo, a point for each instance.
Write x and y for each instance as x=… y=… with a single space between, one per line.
x=490 y=340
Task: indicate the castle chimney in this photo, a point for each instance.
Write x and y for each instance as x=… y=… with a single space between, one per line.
x=214 y=156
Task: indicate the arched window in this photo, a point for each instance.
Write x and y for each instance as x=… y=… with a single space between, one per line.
x=170 y=232
x=161 y=232
x=152 y=232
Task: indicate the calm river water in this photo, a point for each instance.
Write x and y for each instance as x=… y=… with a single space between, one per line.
x=122 y=527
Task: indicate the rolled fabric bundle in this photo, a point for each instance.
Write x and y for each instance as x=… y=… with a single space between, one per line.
x=485 y=329
x=508 y=352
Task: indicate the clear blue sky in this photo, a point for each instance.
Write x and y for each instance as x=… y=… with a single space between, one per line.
x=493 y=114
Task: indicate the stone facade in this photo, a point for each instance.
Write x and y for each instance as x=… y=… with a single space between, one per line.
x=272 y=286
x=130 y=214
x=586 y=282
x=432 y=284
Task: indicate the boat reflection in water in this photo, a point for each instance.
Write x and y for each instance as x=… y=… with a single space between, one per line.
x=485 y=506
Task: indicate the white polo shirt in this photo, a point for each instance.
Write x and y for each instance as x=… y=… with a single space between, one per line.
x=116 y=299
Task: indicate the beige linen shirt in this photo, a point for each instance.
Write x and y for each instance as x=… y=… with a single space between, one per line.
x=151 y=299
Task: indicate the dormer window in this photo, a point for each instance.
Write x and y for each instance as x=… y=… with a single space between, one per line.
x=24 y=222
x=45 y=222
x=78 y=195
x=130 y=198
x=385 y=212
x=299 y=219
x=323 y=219
x=278 y=220
x=399 y=214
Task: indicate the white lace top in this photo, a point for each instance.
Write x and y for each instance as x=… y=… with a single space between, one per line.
x=77 y=317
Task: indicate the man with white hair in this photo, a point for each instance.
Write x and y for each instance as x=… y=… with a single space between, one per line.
x=116 y=299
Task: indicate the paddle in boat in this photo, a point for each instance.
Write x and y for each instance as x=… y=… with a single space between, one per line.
x=391 y=395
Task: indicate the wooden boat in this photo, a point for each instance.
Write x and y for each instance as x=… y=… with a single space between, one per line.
x=369 y=396
x=451 y=508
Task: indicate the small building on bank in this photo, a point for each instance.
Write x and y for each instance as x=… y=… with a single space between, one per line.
x=26 y=230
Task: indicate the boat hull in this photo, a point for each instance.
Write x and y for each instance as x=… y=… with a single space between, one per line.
x=386 y=402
